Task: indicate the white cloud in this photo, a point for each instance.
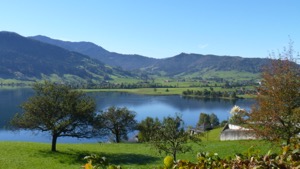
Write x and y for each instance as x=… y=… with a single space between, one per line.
x=202 y=46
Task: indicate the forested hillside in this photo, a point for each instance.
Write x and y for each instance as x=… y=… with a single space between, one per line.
x=41 y=57
x=126 y=61
x=191 y=63
x=182 y=64
x=26 y=59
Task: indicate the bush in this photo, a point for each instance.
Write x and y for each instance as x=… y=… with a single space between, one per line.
x=97 y=162
x=168 y=162
x=288 y=158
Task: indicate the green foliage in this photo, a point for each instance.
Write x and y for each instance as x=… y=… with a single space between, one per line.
x=58 y=110
x=171 y=138
x=207 y=121
x=214 y=94
x=118 y=121
x=214 y=120
x=288 y=158
x=147 y=129
x=168 y=162
x=97 y=162
x=203 y=119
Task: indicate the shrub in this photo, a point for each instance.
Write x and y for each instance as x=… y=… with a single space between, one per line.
x=288 y=158
x=97 y=162
x=168 y=162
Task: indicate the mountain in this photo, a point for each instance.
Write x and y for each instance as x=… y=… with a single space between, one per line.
x=182 y=64
x=191 y=63
x=127 y=62
x=27 y=59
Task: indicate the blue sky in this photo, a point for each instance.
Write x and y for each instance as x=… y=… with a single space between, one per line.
x=161 y=28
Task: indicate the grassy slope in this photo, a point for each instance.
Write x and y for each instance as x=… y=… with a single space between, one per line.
x=15 y=155
x=231 y=75
x=212 y=143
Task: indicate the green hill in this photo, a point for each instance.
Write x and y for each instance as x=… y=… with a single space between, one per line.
x=191 y=63
x=180 y=65
x=26 y=59
x=127 y=62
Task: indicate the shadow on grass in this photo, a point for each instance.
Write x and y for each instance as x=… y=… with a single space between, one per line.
x=126 y=158
x=76 y=157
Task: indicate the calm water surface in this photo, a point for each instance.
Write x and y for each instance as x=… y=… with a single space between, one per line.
x=152 y=106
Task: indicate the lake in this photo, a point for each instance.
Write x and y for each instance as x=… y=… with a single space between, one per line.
x=152 y=106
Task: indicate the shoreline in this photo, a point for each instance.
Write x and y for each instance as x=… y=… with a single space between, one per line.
x=162 y=92
x=147 y=91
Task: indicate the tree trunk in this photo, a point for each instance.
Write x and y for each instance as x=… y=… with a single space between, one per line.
x=54 y=139
x=174 y=155
x=288 y=140
x=117 y=137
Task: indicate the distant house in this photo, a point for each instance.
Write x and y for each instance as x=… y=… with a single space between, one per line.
x=235 y=132
x=200 y=129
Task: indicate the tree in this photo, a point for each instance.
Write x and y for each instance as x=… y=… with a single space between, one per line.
x=213 y=119
x=223 y=123
x=147 y=128
x=118 y=121
x=58 y=110
x=277 y=113
x=203 y=120
x=171 y=137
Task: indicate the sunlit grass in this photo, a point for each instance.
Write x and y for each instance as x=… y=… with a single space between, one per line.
x=25 y=155
x=158 y=91
x=145 y=91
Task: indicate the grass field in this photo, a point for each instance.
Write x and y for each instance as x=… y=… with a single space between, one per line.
x=25 y=155
x=145 y=91
x=177 y=89
x=157 y=91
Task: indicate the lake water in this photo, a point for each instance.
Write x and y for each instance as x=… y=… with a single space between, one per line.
x=152 y=106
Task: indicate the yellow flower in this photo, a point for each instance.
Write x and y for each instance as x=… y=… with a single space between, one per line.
x=88 y=165
x=168 y=161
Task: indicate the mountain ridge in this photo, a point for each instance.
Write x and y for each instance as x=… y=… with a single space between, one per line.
x=197 y=62
x=40 y=56
x=171 y=66
x=133 y=61
x=27 y=59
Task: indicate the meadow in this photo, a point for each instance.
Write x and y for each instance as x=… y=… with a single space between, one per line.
x=30 y=155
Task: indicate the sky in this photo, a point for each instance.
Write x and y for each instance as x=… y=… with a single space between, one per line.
x=161 y=28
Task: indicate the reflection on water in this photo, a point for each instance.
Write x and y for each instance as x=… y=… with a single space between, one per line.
x=161 y=106
x=10 y=101
x=152 y=106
